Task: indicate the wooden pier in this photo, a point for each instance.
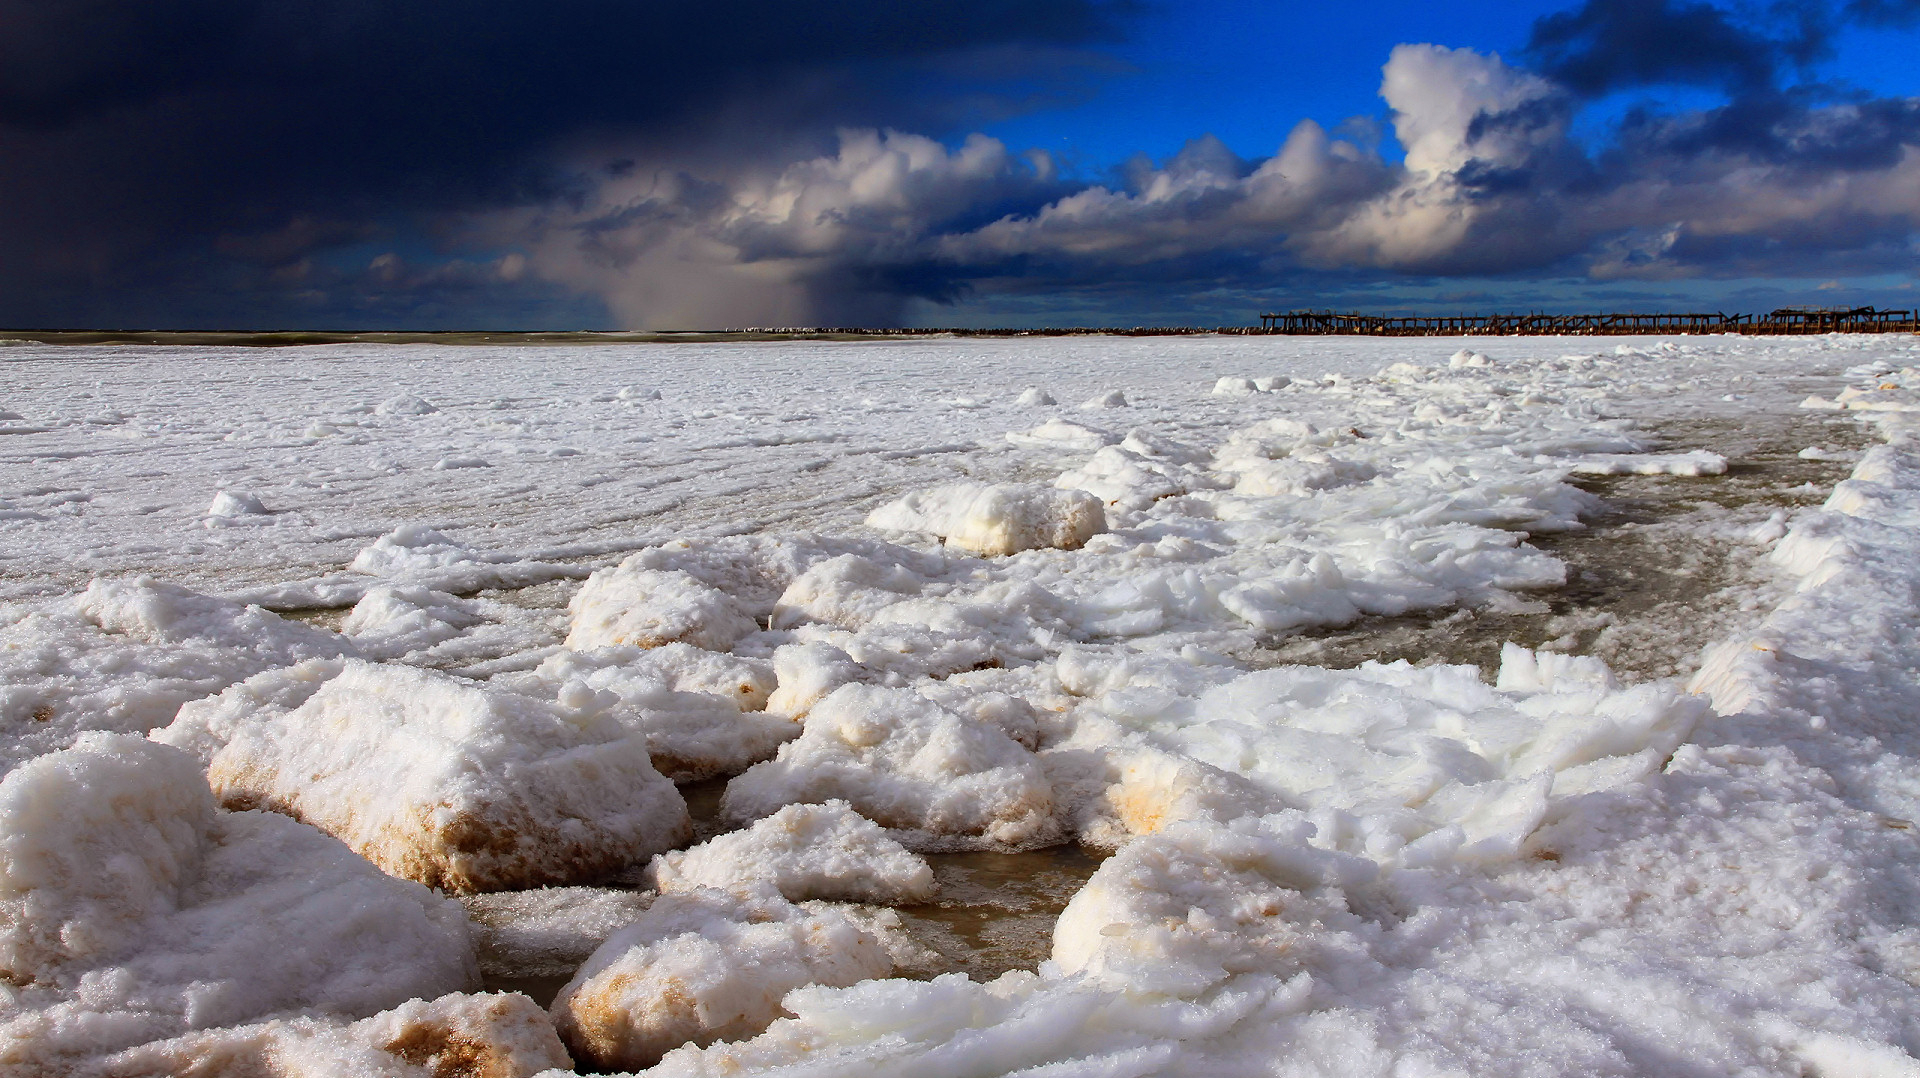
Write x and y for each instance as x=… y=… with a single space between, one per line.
x=1786 y=320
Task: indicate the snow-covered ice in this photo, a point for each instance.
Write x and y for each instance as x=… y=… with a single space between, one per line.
x=708 y=965
x=807 y=851
x=473 y=611
x=943 y=780
x=997 y=518
x=454 y=784
x=132 y=909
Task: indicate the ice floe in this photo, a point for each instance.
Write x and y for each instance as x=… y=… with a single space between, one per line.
x=997 y=518
x=132 y=909
x=704 y=966
x=455 y=785
x=936 y=778
x=807 y=851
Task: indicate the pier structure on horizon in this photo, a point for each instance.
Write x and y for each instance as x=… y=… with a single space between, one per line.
x=1785 y=320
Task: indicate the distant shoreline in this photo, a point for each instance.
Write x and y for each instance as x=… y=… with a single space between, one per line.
x=290 y=338
x=1296 y=324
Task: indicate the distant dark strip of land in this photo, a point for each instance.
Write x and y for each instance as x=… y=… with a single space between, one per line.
x=1789 y=320
x=288 y=338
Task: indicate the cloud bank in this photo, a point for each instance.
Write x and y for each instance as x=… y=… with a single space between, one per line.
x=732 y=165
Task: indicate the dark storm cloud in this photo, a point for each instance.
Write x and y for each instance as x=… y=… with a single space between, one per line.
x=1777 y=129
x=1610 y=44
x=135 y=134
x=1885 y=12
x=1745 y=48
x=476 y=75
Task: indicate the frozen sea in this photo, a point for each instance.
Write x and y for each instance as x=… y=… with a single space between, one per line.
x=1240 y=705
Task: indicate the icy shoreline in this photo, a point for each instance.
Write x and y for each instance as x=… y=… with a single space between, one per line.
x=1390 y=869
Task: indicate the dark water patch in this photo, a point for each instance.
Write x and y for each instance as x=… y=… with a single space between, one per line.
x=1668 y=567
x=320 y=617
x=995 y=912
x=540 y=989
x=703 y=804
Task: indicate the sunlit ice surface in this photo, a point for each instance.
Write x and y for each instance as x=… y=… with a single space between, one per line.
x=1500 y=706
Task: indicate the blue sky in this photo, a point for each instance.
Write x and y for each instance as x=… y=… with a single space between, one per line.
x=1247 y=71
x=600 y=163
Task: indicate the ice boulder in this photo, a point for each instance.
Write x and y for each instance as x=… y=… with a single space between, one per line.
x=846 y=591
x=1178 y=912
x=1112 y=398
x=95 y=842
x=235 y=503
x=707 y=966
x=939 y=779
x=1431 y=765
x=160 y=613
x=417 y=554
x=1034 y=397
x=807 y=673
x=1120 y=790
x=1120 y=476
x=395 y=619
x=405 y=404
x=1230 y=386
x=648 y=607
x=411 y=550
x=1301 y=474
x=807 y=851
x=204 y=726
x=454 y=784
x=744 y=682
x=689 y=735
x=131 y=910
x=1063 y=435
x=997 y=518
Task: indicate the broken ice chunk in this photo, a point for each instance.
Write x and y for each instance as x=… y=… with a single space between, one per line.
x=944 y=781
x=744 y=682
x=649 y=607
x=235 y=503
x=997 y=518
x=131 y=909
x=807 y=851
x=494 y=1034
x=456 y=785
x=707 y=966
x=845 y=591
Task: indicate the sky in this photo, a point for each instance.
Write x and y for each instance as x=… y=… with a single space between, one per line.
x=613 y=164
